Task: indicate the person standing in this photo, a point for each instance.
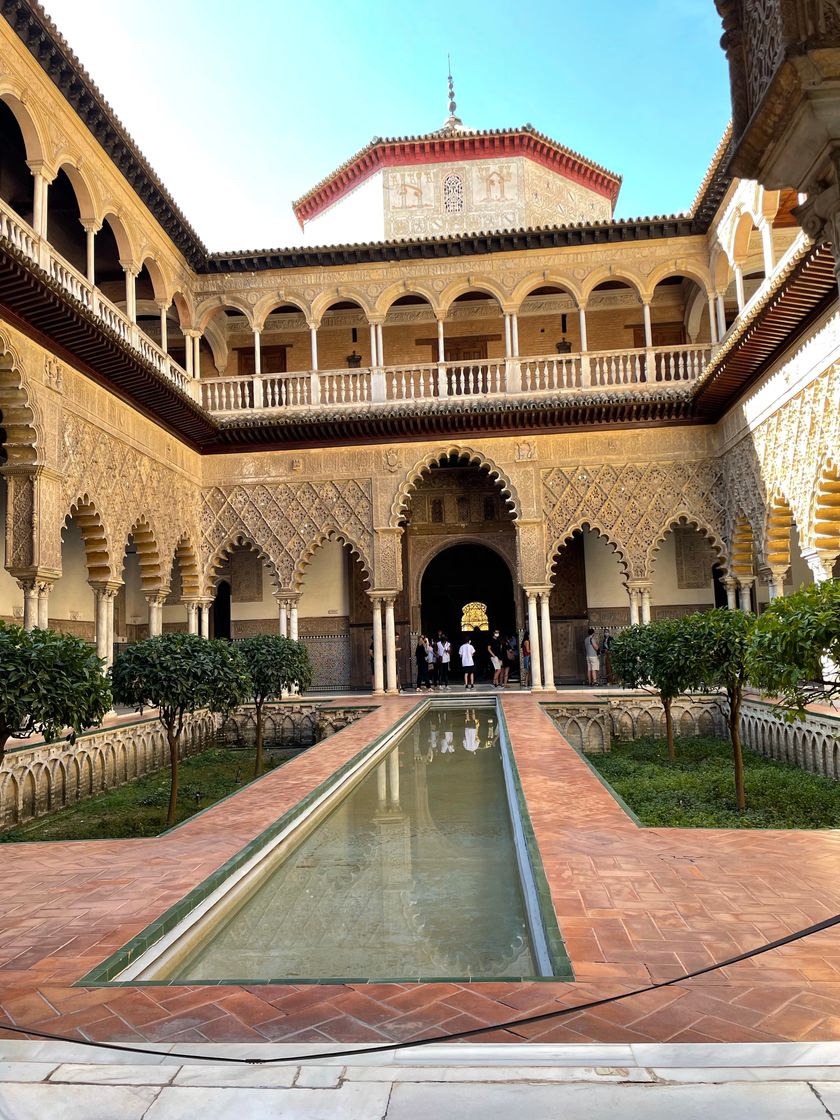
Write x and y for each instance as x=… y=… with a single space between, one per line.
x=467 y=655
x=422 y=662
x=526 y=661
x=606 y=646
x=511 y=654
x=431 y=658
x=496 y=649
x=592 y=653
x=444 y=655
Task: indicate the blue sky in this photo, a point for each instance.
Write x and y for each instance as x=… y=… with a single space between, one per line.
x=242 y=107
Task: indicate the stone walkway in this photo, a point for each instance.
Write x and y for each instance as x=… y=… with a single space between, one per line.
x=634 y=905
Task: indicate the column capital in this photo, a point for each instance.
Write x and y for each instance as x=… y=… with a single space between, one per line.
x=106 y=589
x=745 y=581
x=132 y=268
x=91 y=225
x=158 y=598
x=639 y=584
x=288 y=597
x=42 y=168
x=819 y=561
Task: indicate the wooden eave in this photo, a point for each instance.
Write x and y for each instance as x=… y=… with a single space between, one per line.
x=804 y=295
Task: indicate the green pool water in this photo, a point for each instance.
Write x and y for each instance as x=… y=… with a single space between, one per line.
x=413 y=874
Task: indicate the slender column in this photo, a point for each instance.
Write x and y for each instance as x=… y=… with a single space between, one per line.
x=713 y=334
x=155 y=603
x=44 y=587
x=313 y=346
x=131 y=271
x=380 y=346
x=204 y=626
x=391 y=682
x=441 y=348
x=30 y=603
x=648 y=328
x=731 y=586
x=819 y=564
x=91 y=229
x=39 y=203
x=767 y=248
x=547 y=652
x=584 y=343
x=373 y=347
x=508 y=338
x=293 y=620
x=257 y=358
x=775 y=584
x=197 y=354
x=744 y=586
x=284 y=619
x=163 y=307
x=101 y=625
x=188 y=346
x=534 y=635
x=378 y=686
x=514 y=333
x=721 y=316
x=739 y=287
x=645 y=604
x=105 y=594
x=634 y=605
x=192 y=616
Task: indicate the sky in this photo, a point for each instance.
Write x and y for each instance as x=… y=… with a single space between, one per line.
x=242 y=107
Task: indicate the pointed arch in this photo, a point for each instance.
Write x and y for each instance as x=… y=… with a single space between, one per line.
x=152 y=576
x=187 y=556
x=587 y=524
x=331 y=534
x=687 y=519
x=24 y=437
x=826 y=520
x=98 y=556
x=741 y=549
x=468 y=456
x=778 y=530
x=238 y=539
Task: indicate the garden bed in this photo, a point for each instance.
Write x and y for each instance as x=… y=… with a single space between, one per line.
x=138 y=808
x=698 y=790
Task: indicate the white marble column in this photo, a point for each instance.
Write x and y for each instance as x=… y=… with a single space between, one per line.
x=739 y=287
x=731 y=586
x=44 y=587
x=508 y=336
x=378 y=684
x=257 y=355
x=313 y=347
x=547 y=652
x=775 y=582
x=163 y=307
x=391 y=682
x=819 y=564
x=131 y=271
x=584 y=342
x=767 y=247
x=633 y=595
x=713 y=334
x=721 y=316
x=380 y=346
x=648 y=327
x=30 y=603
x=204 y=625
x=155 y=603
x=534 y=635
x=188 y=352
x=514 y=333
x=744 y=587
x=192 y=616
x=441 y=345
x=293 y=619
x=644 y=594
x=197 y=354
x=105 y=594
x=91 y=230
x=284 y=619
x=39 y=202
x=373 y=347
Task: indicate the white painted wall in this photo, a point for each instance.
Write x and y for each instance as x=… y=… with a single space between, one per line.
x=72 y=597
x=604 y=586
x=357 y=217
x=665 y=591
x=325 y=583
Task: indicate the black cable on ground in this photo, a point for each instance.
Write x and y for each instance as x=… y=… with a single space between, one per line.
x=509 y=1024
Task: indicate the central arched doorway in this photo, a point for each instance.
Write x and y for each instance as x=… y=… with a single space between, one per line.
x=465 y=575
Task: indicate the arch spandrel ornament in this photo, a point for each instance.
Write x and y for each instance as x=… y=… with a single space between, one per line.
x=469 y=456
x=587 y=525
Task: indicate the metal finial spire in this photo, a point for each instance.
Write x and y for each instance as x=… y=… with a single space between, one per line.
x=452 y=123
x=452 y=105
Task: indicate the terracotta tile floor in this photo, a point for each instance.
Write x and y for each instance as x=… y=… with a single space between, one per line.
x=633 y=905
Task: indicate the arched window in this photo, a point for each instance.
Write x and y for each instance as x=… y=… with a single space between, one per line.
x=474 y=617
x=453 y=194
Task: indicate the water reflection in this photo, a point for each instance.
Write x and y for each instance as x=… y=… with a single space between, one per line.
x=413 y=874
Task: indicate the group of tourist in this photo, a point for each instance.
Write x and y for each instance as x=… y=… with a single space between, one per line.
x=434 y=658
x=598 y=657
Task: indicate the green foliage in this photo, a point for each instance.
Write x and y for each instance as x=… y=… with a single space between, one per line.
x=663 y=657
x=48 y=681
x=135 y=809
x=275 y=664
x=696 y=790
x=788 y=644
x=179 y=674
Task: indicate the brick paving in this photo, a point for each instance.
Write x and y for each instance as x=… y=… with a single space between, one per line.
x=634 y=905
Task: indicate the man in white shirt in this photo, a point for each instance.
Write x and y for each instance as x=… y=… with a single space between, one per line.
x=444 y=653
x=467 y=655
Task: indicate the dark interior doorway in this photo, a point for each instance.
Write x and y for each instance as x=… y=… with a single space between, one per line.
x=461 y=574
x=220 y=614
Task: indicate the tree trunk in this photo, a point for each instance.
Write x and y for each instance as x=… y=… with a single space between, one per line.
x=5 y=735
x=669 y=730
x=258 y=755
x=172 y=739
x=738 y=754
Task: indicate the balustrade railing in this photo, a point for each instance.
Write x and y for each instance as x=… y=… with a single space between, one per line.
x=61 y=272
x=550 y=374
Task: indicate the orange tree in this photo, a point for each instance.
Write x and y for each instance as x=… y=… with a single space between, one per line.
x=663 y=658
x=273 y=664
x=179 y=674
x=48 y=681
